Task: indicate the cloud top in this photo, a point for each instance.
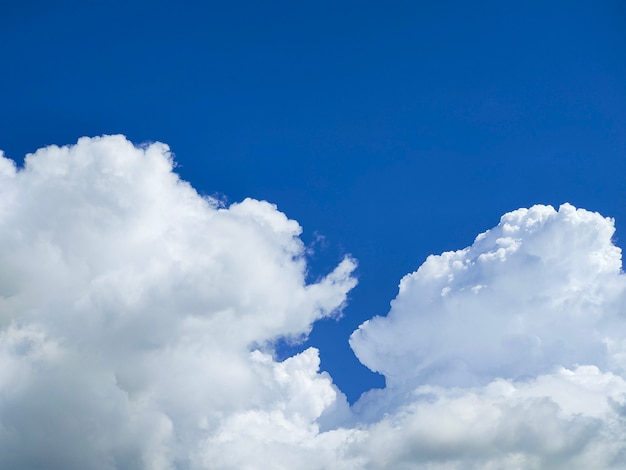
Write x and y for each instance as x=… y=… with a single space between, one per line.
x=540 y=290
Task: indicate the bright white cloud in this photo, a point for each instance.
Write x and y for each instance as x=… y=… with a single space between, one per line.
x=508 y=353
x=136 y=321
x=131 y=307
x=541 y=289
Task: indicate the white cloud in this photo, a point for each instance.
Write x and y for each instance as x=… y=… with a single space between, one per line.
x=136 y=319
x=130 y=306
x=540 y=290
x=569 y=419
x=508 y=353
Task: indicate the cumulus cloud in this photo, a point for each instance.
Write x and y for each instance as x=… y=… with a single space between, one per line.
x=508 y=353
x=133 y=311
x=541 y=289
x=137 y=321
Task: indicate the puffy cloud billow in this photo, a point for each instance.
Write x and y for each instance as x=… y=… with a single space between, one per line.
x=137 y=320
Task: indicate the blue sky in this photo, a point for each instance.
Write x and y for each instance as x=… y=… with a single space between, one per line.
x=389 y=131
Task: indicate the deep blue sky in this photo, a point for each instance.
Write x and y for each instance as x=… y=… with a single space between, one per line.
x=392 y=129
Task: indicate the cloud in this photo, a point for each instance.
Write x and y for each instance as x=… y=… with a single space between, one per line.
x=132 y=307
x=137 y=321
x=542 y=289
x=508 y=353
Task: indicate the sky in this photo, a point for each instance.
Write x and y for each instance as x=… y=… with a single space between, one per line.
x=383 y=235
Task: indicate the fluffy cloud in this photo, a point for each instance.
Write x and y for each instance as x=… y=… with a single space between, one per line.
x=541 y=289
x=508 y=353
x=132 y=311
x=137 y=321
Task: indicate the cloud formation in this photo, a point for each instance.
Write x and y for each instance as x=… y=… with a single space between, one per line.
x=508 y=353
x=132 y=307
x=541 y=289
x=137 y=320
